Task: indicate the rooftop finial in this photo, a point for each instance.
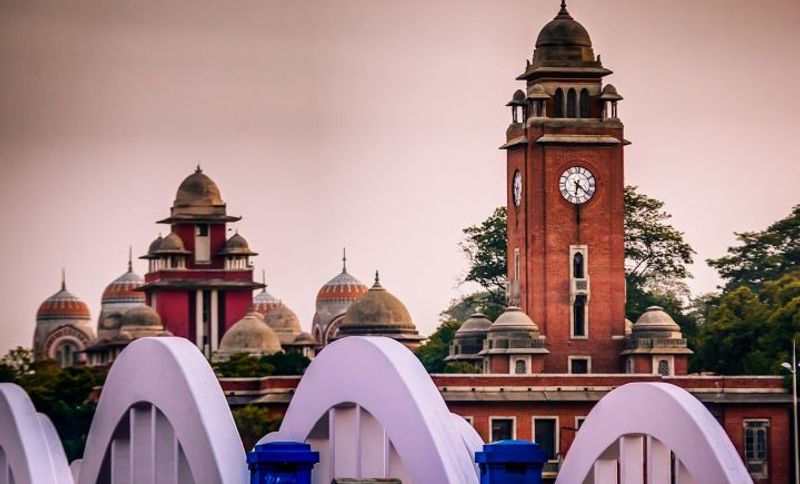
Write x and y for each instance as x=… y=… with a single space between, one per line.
x=130 y=258
x=264 y=279
x=344 y=260
x=377 y=278
x=63 y=279
x=563 y=10
x=198 y=170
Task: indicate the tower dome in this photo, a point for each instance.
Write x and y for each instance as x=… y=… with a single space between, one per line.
x=380 y=313
x=249 y=335
x=198 y=190
x=264 y=302
x=563 y=47
x=62 y=305
x=237 y=245
x=63 y=327
x=171 y=244
x=118 y=297
x=468 y=340
x=198 y=200
x=141 y=316
x=513 y=345
x=333 y=299
x=284 y=322
x=122 y=289
x=656 y=323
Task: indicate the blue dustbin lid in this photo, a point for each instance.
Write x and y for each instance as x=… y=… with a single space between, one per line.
x=294 y=452
x=511 y=452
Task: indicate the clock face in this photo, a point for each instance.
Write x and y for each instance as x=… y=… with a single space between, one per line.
x=577 y=185
x=516 y=186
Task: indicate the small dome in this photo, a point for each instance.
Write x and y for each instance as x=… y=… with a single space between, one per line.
x=343 y=287
x=121 y=289
x=305 y=339
x=563 y=42
x=154 y=246
x=655 y=322
x=198 y=190
x=62 y=305
x=518 y=99
x=537 y=91
x=563 y=31
x=477 y=323
x=284 y=322
x=171 y=244
x=141 y=316
x=609 y=93
x=513 y=318
x=250 y=335
x=264 y=302
x=378 y=307
x=236 y=245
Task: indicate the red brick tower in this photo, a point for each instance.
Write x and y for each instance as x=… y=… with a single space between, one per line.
x=565 y=202
x=199 y=281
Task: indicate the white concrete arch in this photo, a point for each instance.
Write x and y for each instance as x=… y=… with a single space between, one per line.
x=162 y=417
x=30 y=451
x=373 y=392
x=656 y=419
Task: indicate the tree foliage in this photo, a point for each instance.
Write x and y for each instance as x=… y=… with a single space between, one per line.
x=60 y=393
x=436 y=349
x=749 y=332
x=762 y=256
x=656 y=255
x=484 y=246
x=243 y=365
x=254 y=422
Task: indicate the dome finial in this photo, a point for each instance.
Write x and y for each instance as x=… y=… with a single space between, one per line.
x=198 y=170
x=344 y=260
x=563 y=12
x=63 y=279
x=264 y=280
x=377 y=279
x=130 y=258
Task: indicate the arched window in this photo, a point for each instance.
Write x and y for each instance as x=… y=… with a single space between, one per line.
x=579 y=316
x=577 y=266
x=585 y=103
x=572 y=102
x=558 y=103
x=520 y=367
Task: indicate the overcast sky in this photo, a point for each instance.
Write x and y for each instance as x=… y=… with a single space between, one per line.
x=367 y=123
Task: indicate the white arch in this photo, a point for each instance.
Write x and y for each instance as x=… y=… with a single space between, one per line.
x=184 y=409
x=663 y=412
x=384 y=378
x=29 y=446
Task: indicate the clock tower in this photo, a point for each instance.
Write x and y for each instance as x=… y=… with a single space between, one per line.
x=566 y=251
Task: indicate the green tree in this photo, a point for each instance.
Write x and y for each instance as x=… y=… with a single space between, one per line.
x=437 y=347
x=484 y=246
x=289 y=363
x=254 y=422
x=63 y=394
x=762 y=256
x=243 y=365
x=729 y=342
x=656 y=255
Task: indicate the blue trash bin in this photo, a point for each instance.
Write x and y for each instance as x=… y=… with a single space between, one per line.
x=281 y=463
x=511 y=462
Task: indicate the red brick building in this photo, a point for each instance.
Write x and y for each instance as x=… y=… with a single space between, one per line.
x=199 y=281
x=564 y=342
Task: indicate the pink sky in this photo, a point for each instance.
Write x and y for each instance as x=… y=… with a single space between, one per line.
x=367 y=123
